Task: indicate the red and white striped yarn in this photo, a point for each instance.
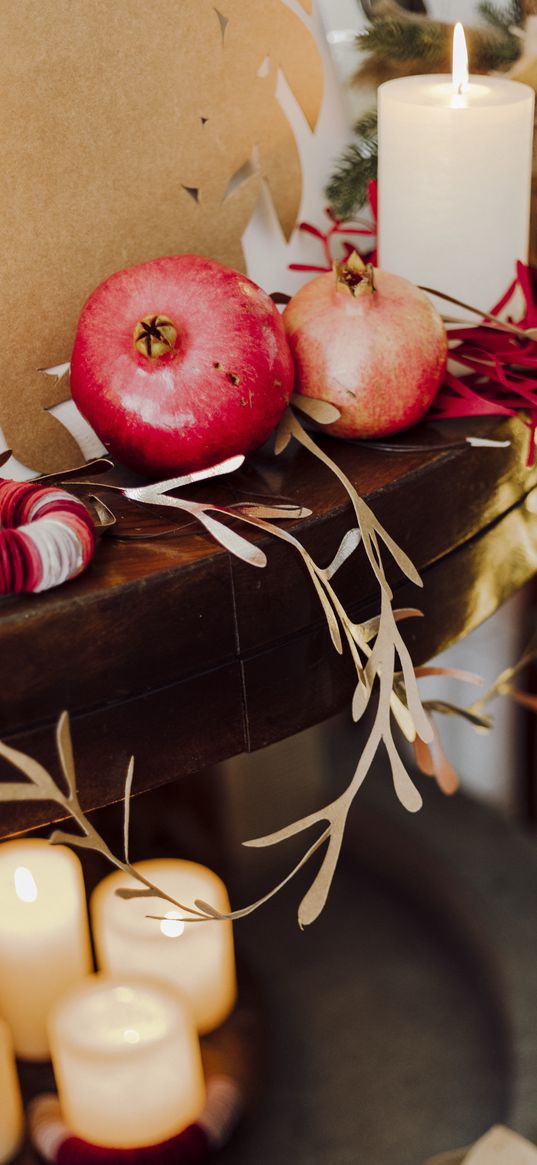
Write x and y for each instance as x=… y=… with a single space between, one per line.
x=47 y=1129
x=54 y=1142
x=46 y=537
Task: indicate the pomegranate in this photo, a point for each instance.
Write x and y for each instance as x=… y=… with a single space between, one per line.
x=370 y=343
x=179 y=363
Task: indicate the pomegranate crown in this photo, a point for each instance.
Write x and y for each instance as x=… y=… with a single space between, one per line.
x=154 y=336
x=354 y=276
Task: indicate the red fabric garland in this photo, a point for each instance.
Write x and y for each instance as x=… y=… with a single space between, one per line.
x=35 y=553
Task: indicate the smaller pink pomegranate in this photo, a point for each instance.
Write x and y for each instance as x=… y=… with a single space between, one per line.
x=369 y=342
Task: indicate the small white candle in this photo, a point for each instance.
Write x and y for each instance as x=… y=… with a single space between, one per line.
x=127 y=1062
x=454 y=181
x=196 y=957
x=44 y=937
x=11 y=1119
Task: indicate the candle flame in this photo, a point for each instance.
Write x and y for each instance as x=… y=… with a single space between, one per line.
x=171 y=924
x=25 y=887
x=460 y=60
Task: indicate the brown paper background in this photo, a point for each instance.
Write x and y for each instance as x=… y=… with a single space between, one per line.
x=109 y=112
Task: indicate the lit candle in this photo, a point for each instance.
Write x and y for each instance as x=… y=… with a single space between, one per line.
x=196 y=957
x=44 y=937
x=454 y=180
x=127 y=1062
x=11 y=1121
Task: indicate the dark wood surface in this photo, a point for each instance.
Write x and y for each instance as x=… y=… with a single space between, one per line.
x=169 y=649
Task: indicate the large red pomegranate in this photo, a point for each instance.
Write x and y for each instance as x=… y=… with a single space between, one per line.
x=370 y=343
x=179 y=363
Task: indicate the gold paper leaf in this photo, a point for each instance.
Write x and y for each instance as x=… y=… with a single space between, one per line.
x=314 y=901
x=403 y=717
x=360 y=700
x=371 y=627
x=455 y=673
x=404 y=563
x=348 y=544
x=424 y=757
x=42 y=785
x=523 y=698
x=127 y=894
x=446 y=776
x=233 y=542
x=21 y=791
x=255 y=510
x=235 y=915
x=127 y=809
x=421 y=721
x=405 y=788
x=283 y=434
x=331 y=620
x=78 y=841
x=321 y=411
x=447 y=708
x=64 y=745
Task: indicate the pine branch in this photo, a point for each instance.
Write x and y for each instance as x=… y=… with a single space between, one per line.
x=425 y=45
x=403 y=40
x=492 y=49
x=347 y=188
x=502 y=18
x=367 y=125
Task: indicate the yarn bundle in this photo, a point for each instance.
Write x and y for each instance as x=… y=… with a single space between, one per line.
x=57 y=1146
x=47 y=536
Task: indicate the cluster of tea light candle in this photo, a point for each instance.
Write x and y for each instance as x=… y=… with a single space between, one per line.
x=124 y=1042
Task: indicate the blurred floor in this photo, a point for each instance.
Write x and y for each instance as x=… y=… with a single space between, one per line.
x=384 y=1048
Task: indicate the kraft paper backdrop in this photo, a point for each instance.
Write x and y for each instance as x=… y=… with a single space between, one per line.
x=130 y=130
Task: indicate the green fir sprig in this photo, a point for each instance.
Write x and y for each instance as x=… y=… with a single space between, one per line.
x=503 y=18
x=406 y=40
x=393 y=43
x=347 y=189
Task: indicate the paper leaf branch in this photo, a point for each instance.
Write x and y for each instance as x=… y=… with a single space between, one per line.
x=375 y=666
x=158 y=494
x=376 y=649
x=41 y=786
x=430 y=757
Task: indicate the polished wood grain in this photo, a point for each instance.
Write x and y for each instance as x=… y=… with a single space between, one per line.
x=170 y=649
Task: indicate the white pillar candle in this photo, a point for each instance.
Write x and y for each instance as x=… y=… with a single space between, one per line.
x=44 y=937
x=454 y=182
x=11 y=1119
x=127 y=1062
x=196 y=957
